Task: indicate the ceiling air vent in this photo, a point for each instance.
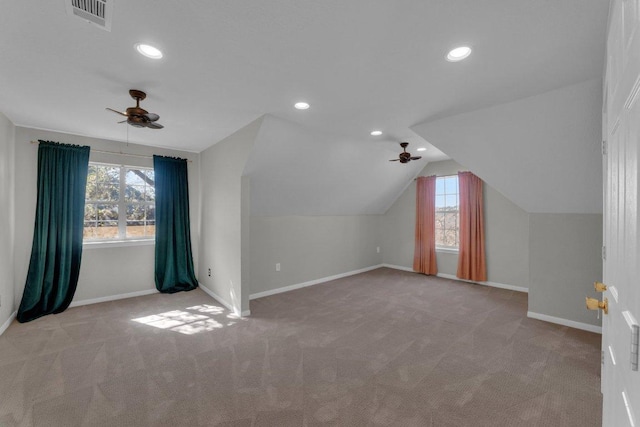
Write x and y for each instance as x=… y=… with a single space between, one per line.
x=98 y=12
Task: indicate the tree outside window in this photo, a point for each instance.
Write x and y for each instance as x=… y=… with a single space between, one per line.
x=447 y=212
x=120 y=203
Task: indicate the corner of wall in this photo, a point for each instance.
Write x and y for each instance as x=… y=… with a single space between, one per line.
x=245 y=231
x=224 y=217
x=7 y=222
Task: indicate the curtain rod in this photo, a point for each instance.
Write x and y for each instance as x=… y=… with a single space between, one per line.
x=437 y=176
x=143 y=156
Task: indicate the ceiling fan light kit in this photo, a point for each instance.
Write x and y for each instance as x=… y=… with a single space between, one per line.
x=137 y=116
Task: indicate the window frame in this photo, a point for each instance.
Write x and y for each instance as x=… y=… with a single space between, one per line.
x=122 y=203
x=440 y=247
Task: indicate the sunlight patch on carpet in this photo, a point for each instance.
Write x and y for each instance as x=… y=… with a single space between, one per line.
x=185 y=322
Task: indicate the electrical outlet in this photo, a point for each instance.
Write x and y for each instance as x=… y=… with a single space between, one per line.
x=209 y=272
x=378 y=249
x=277 y=266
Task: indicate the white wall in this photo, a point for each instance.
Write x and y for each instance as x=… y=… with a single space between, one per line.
x=7 y=149
x=310 y=248
x=565 y=261
x=506 y=231
x=104 y=272
x=313 y=206
x=542 y=152
x=221 y=238
x=242 y=250
x=555 y=256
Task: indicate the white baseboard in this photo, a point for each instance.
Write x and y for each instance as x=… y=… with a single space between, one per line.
x=565 y=322
x=492 y=284
x=452 y=277
x=224 y=302
x=531 y=314
x=112 y=297
x=399 y=267
x=6 y=324
x=87 y=302
x=149 y=292
x=312 y=282
x=128 y=295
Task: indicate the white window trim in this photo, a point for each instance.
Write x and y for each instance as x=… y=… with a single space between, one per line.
x=119 y=242
x=96 y=244
x=447 y=249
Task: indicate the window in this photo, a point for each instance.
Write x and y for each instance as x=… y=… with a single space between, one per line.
x=447 y=212
x=120 y=203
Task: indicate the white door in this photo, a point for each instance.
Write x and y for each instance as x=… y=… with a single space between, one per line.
x=621 y=265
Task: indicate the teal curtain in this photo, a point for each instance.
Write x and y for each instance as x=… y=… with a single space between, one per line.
x=57 y=236
x=174 y=261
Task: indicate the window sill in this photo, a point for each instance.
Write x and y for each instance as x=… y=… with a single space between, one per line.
x=98 y=244
x=447 y=250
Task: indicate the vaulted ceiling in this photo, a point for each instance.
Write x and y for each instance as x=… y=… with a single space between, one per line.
x=361 y=64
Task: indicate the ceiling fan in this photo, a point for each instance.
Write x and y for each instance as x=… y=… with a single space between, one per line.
x=139 y=117
x=404 y=156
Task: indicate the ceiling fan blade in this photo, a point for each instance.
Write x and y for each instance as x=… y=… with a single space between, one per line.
x=152 y=117
x=153 y=125
x=416 y=158
x=116 y=111
x=394 y=160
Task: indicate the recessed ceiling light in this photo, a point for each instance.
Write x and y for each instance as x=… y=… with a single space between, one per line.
x=301 y=105
x=376 y=132
x=422 y=149
x=458 y=54
x=149 y=51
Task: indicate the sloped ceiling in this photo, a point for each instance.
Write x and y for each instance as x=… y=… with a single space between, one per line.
x=542 y=152
x=297 y=171
x=361 y=64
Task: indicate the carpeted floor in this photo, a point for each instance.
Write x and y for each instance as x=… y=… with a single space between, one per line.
x=386 y=348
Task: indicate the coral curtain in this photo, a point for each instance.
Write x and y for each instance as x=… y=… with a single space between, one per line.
x=471 y=255
x=424 y=257
x=56 y=251
x=174 y=270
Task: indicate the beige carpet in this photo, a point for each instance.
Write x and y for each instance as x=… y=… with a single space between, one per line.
x=383 y=348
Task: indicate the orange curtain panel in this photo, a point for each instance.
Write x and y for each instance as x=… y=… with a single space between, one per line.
x=471 y=256
x=424 y=257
